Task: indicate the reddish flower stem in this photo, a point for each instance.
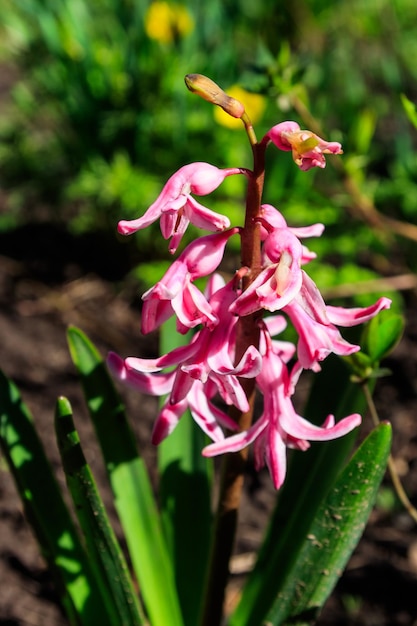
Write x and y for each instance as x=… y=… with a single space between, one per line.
x=231 y=480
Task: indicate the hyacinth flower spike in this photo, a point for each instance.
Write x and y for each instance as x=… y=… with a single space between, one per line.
x=235 y=352
x=176 y=208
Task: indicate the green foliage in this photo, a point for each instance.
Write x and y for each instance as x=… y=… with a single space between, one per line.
x=61 y=546
x=379 y=338
x=334 y=533
x=130 y=483
x=104 y=553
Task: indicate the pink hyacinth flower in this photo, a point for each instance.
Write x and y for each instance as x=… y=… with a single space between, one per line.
x=280 y=281
x=176 y=208
x=280 y=427
x=175 y=292
x=203 y=368
x=308 y=149
x=209 y=417
x=315 y=324
x=271 y=218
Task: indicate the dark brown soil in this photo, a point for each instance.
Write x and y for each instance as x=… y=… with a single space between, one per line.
x=47 y=281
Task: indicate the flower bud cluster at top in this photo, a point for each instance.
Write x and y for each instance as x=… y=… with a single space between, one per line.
x=211 y=372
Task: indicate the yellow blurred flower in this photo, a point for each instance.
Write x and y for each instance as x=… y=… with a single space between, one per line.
x=254 y=106
x=164 y=22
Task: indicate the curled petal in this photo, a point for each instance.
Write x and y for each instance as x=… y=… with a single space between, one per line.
x=205 y=218
x=192 y=308
x=351 y=317
x=249 y=365
x=300 y=428
x=175 y=291
x=316 y=341
x=152 y=384
x=176 y=356
x=206 y=415
x=237 y=442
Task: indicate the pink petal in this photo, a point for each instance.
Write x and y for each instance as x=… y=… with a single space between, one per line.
x=155 y=313
x=298 y=427
x=203 y=414
x=176 y=356
x=231 y=390
x=204 y=218
x=192 y=308
x=316 y=341
x=167 y=420
x=204 y=255
x=351 y=317
x=248 y=301
x=276 y=456
x=237 y=442
x=277 y=134
x=152 y=384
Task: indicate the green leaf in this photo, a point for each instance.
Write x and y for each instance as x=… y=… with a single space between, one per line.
x=410 y=109
x=105 y=556
x=309 y=478
x=46 y=511
x=332 y=537
x=382 y=334
x=363 y=130
x=185 y=488
x=134 y=499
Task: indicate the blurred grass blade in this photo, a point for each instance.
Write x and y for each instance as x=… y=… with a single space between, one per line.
x=185 y=500
x=336 y=530
x=46 y=511
x=106 y=558
x=185 y=488
x=310 y=476
x=410 y=109
x=134 y=500
x=186 y=513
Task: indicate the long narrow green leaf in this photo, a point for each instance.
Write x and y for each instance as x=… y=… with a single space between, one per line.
x=185 y=488
x=309 y=478
x=336 y=530
x=46 y=511
x=134 y=500
x=106 y=558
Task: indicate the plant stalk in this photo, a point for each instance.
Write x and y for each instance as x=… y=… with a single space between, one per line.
x=232 y=470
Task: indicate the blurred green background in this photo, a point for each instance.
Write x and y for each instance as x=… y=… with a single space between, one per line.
x=95 y=117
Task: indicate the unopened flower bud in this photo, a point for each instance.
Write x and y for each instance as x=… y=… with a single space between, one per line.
x=208 y=90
